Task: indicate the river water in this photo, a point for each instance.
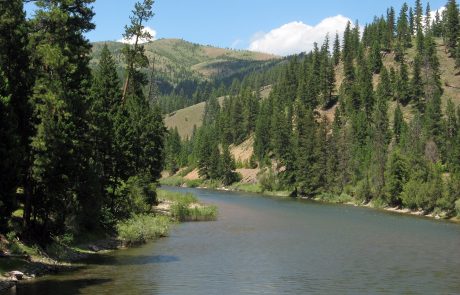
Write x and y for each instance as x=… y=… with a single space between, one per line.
x=264 y=245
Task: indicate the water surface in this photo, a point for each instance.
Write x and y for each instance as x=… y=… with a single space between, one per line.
x=263 y=245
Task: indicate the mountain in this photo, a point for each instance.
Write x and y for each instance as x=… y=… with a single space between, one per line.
x=178 y=60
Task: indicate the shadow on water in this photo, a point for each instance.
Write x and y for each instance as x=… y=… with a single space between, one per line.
x=55 y=286
x=131 y=260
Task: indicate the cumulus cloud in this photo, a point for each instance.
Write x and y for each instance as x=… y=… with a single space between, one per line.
x=433 y=13
x=296 y=37
x=152 y=32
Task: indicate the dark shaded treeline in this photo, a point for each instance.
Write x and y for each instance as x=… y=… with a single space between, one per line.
x=75 y=156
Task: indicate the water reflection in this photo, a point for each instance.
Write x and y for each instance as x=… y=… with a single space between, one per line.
x=274 y=246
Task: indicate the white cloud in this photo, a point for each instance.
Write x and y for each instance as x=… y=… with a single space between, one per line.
x=433 y=13
x=152 y=32
x=236 y=43
x=296 y=37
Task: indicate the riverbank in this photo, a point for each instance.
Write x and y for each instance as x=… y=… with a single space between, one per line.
x=35 y=261
x=255 y=187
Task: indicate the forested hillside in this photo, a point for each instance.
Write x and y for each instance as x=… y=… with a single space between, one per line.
x=186 y=73
x=391 y=134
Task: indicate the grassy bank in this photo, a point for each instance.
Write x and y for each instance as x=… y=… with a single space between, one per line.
x=186 y=207
x=143 y=228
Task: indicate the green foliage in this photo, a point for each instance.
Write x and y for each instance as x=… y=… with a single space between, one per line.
x=457 y=207
x=187 y=198
x=333 y=198
x=142 y=228
x=135 y=196
x=183 y=211
x=186 y=207
x=397 y=175
x=451 y=26
x=268 y=180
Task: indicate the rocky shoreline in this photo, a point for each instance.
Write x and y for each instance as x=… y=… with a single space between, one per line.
x=39 y=266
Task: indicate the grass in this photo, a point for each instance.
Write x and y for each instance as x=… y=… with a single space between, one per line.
x=172 y=181
x=248 y=187
x=143 y=228
x=185 y=119
x=186 y=207
x=179 y=181
x=187 y=198
x=335 y=198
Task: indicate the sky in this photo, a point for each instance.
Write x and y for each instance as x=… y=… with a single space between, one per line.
x=278 y=27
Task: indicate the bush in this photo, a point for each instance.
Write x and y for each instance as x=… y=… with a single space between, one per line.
x=135 y=196
x=411 y=192
x=142 y=228
x=363 y=191
x=186 y=207
x=335 y=198
x=457 y=207
x=193 y=182
x=188 y=198
x=172 y=181
x=182 y=211
x=268 y=180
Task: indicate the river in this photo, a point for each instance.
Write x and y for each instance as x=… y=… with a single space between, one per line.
x=265 y=245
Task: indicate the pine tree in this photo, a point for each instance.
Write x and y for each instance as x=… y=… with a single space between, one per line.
x=15 y=110
x=398 y=124
x=262 y=132
x=105 y=102
x=418 y=16
x=60 y=146
x=428 y=18
x=135 y=31
x=336 y=50
x=416 y=85
x=390 y=28
x=173 y=148
x=397 y=176
x=376 y=58
x=227 y=168
x=451 y=26
x=381 y=132
x=403 y=89
x=9 y=142
x=306 y=174
x=403 y=30
x=412 y=22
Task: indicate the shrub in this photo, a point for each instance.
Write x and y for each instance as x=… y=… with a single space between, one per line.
x=142 y=228
x=457 y=207
x=182 y=211
x=172 y=181
x=335 y=198
x=135 y=196
x=193 y=182
x=176 y=196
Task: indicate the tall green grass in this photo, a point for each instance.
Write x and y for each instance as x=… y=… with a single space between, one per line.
x=142 y=228
x=186 y=207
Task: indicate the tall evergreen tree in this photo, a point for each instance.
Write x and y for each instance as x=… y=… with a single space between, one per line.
x=306 y=175
x=451 y=26
x=336 y=50
x=15 y=110
x=381 y=132
x=60 y=147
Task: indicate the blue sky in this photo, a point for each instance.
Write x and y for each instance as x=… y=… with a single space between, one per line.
x=234 y=23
